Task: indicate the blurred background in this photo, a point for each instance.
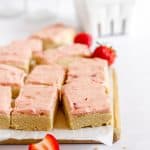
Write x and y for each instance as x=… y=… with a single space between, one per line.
x=124 y=24
x=99 y=17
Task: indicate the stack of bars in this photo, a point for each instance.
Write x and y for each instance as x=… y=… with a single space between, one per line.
x=45 y=69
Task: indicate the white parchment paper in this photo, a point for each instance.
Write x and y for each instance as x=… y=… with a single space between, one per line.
x=100 y=134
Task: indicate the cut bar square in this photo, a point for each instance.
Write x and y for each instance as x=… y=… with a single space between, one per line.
x=35 y=108
x=86 y=103
x=52 y=75
x=61 y=54
x=5 y=106
x=13 y=77
x=16 y=55
x=55 y=35
x=96 y=69
x=36 y=45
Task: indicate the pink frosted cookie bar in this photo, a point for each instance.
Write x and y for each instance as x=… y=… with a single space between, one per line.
x=16 y=55
x=61 y=54
x=86 y=103
x=36 y=45
x=55 y=35
x=96 y=69
x=35 y=108
x=13 y=77
x=53 y=75
x=5 y=106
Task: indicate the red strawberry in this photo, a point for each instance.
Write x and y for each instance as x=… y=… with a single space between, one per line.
x=105 y=52
x=48 y=143
x=83 y=38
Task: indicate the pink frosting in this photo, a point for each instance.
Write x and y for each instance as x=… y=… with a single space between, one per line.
x=5 y=100
x=17 y=55
x=11 y=76
x=53 y=55
x=36 y=99
x=36 y=45
x=55 y=33
x=86 y=96
x=50 y=56
x=93 y=68
x=47 y=74
x=75 y=50
x=85 y=62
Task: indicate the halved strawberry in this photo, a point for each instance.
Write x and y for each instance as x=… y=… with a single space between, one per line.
x=48 y=143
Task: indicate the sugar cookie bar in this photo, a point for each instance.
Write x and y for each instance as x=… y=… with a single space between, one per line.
x=86 y=103
x=35 y=108
x=13 y=77
x=16 y=55
x=55 y=35
x=52 y=75
x=5 y=106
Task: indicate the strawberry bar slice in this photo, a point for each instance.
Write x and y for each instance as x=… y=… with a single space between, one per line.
x=16 y=55
x=5 y=106
x=86 y=103
x=52 y=75
x=55 y=35
x=34 y=44
x=62 y=53
x=35 y=108
x=96 y=69
x=13 y=77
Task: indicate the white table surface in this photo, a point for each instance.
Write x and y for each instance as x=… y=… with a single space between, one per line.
x=134 y=79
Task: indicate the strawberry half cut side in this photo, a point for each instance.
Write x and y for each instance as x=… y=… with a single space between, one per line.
x=48 y=143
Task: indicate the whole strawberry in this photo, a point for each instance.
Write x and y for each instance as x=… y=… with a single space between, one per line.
x=83 y=38
x=105 y=52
